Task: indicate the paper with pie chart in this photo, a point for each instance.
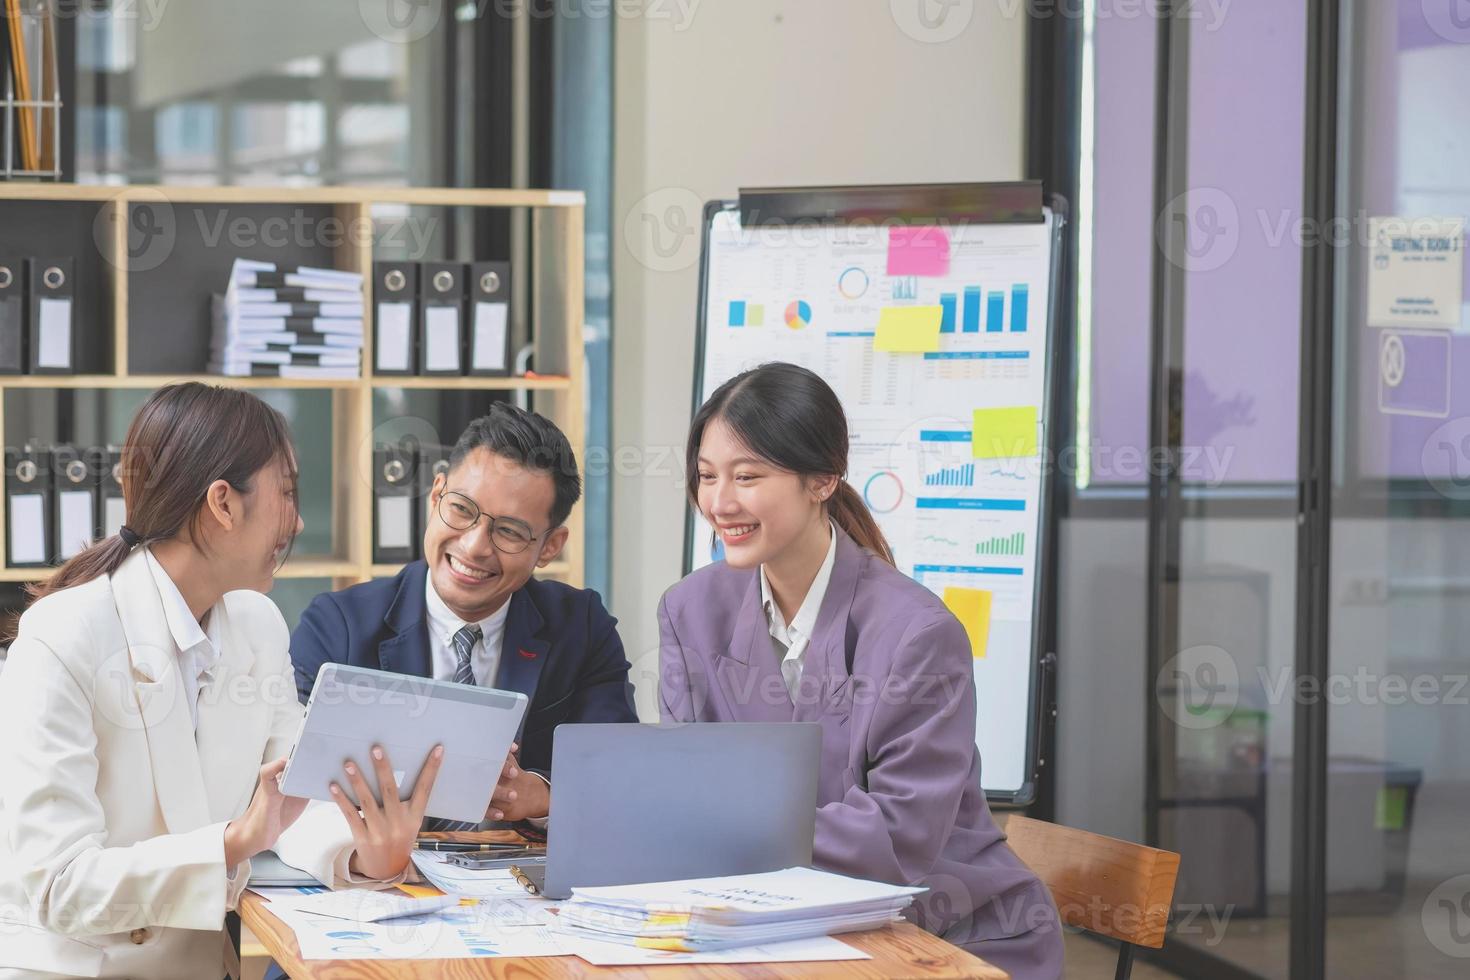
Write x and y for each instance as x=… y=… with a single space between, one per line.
x=936 y=341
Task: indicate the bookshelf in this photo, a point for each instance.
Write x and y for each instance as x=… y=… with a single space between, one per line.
x=117 y=288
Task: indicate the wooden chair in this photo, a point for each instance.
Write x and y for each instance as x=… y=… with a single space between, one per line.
x=1100 y=884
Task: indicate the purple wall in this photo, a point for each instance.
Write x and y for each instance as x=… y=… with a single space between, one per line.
x=1123 y=242
x=1243 y=282
x=1243 y=319
x=1243 y=295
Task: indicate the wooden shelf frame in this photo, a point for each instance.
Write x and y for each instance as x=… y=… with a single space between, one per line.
x=555 y=280
x=451 y=197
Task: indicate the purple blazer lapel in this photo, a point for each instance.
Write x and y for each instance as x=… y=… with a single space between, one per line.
x=824 y=672
x=749 y=672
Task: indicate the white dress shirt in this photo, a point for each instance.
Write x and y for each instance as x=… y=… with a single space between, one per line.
x=484 y=656
x=199 y=646
x=443 y=624
x=791 y=641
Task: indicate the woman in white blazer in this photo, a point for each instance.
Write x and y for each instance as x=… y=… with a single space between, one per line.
x=147 y=705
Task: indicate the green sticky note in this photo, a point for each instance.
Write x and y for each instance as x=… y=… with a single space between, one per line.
x=1392 y=806
x=909 y=329
x=1004 y=433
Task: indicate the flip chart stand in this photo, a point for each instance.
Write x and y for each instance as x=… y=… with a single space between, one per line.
x=916 y=207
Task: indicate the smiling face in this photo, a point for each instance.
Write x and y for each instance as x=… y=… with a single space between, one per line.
x=758 y=509
x=476 y=569
x=269 y=521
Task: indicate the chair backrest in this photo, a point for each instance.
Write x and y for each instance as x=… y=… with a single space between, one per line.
x=1100 y=884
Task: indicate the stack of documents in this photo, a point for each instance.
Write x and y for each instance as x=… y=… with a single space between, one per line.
x=289 y=323
x=725 y=913
x=401 y=924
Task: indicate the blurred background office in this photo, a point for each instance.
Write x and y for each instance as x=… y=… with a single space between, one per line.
x=1261 y=563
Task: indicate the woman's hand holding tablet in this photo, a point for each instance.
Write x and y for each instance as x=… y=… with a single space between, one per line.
x=263 y=821
x=383 y=835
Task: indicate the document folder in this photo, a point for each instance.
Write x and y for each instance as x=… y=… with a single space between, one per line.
x=28 y=539
x=433 y=461
x=395 y=505
x=75 y=500
x=12 y=314
x=441 y=298
x=52 y=316
x=113 y=512
x=395 y=320
x=489 y=334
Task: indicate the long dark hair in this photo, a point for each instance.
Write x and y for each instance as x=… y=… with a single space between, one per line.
x=790 y=417
x=183 y=439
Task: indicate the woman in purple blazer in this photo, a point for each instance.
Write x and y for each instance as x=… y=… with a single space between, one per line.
x=807 y=619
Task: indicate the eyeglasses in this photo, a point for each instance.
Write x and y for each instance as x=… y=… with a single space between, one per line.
x=508 y=535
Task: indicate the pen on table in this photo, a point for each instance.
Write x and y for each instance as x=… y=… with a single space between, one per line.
x=462 y=846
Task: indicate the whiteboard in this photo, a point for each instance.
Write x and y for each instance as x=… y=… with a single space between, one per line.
x=947 y=445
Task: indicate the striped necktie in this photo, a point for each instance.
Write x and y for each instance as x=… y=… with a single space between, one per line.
x=464 y=643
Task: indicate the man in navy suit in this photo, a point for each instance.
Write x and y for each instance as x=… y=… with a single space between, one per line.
x=471 y=612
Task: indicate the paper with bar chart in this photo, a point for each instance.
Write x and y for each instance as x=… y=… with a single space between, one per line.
x=936 y=342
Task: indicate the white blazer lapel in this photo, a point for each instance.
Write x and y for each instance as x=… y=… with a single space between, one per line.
x=161 y=705
x=230 y=723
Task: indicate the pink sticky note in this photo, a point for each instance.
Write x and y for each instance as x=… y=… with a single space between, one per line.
x=918 y=251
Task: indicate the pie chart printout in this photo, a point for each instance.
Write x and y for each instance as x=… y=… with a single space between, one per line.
x=799 y=315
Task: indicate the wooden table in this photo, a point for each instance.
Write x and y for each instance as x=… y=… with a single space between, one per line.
x=903 y=950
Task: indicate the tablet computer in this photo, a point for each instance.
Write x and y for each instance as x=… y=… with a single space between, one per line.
x=354 y=708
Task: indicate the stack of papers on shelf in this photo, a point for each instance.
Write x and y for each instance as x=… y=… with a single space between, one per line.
x=289 y=323
x=726 y=913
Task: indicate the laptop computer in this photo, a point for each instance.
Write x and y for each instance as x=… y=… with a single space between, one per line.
x=640 y=803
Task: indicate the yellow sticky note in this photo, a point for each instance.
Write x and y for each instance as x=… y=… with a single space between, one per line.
x=972 y=608
x=667 y=919
x=663 y=945
x=1004 y=433
x=909 y=329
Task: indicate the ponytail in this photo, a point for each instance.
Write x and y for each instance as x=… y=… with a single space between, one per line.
x=847 y=510
x=102 y=558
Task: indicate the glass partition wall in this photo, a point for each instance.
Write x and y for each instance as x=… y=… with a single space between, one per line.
x=1261 y=582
